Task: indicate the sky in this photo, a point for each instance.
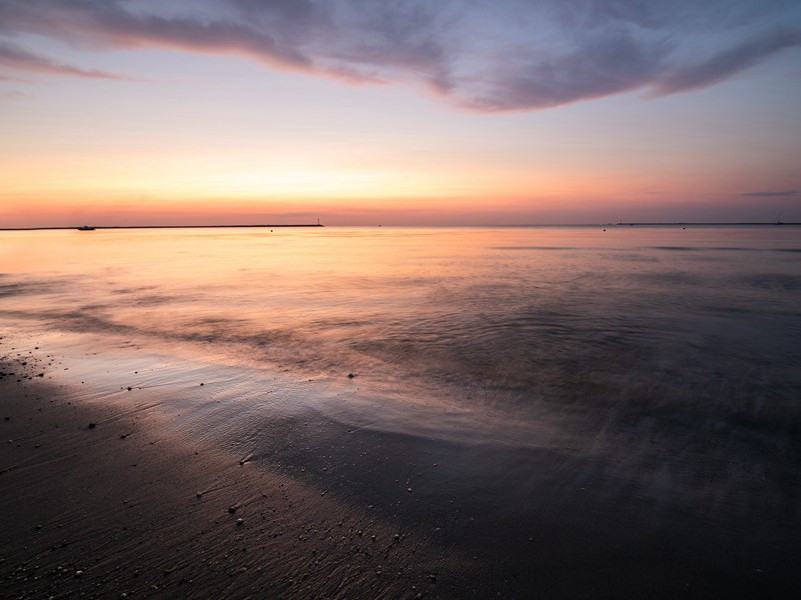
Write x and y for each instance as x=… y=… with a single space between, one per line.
x=399 y=112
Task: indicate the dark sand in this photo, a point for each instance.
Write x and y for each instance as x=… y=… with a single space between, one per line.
x=98 y=501
x=98 y=504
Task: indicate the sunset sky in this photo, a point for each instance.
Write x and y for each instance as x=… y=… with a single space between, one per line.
x=116 y=112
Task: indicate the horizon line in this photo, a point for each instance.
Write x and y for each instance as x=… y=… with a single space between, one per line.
x=303 y=225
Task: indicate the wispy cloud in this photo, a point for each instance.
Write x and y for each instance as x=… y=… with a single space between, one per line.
x=728 y=62
x=10 y=95
x=772 y=194
x=490 y=55
x=17 y=58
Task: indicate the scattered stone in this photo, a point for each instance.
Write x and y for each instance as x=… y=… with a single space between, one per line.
x=199 y=494
x=232 y=509
x=92 y=425
x=202 y=384
x=129 y=388
x=78 y=573
x=240 y=521
x=351 y=375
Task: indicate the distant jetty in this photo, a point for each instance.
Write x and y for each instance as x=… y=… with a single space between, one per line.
x=94 y=227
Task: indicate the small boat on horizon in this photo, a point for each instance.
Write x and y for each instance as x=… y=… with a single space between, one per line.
x=86 y=228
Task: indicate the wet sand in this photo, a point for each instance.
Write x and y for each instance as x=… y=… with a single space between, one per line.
x=100 y=501
x=99 y=504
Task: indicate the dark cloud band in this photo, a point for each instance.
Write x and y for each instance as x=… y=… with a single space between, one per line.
x=484 y=55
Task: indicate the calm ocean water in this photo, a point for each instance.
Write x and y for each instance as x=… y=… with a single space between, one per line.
x=658 y=366
x=659 y=319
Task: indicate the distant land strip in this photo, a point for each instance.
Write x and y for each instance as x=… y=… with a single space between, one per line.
x=504 y=225
x=93 y=227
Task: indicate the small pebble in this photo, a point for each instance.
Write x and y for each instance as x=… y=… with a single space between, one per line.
x=92 y=425
x=240 y=521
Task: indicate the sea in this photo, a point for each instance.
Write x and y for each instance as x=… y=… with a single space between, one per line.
x=616 y=394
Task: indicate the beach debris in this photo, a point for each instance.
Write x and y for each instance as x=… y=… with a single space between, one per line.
x=202 y=384
x=351 y=375
x=248 y=458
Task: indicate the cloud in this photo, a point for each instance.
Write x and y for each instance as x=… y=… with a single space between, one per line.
x=10 y=95
x=727 y=63
x=487 y=55
x=772 y=194
x=17 y=58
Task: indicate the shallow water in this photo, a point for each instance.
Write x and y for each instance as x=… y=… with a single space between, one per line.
x=656 y=368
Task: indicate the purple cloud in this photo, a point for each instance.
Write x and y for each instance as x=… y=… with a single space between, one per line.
x=17 y=58
x=11 y=95
x=727 y=63
x=487 y=55
x=772 y=194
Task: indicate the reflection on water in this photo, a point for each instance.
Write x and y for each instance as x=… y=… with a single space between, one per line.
x=659 y=364
x=525 y=313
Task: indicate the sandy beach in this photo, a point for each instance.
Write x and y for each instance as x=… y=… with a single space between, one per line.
x=103 y=501
x=98 y=503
